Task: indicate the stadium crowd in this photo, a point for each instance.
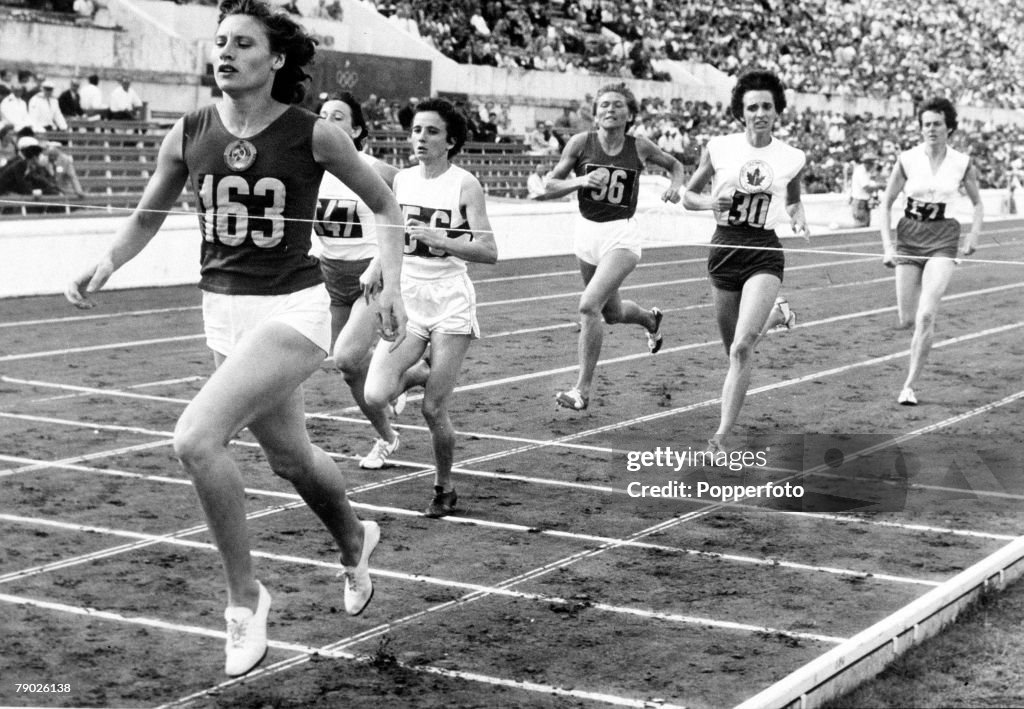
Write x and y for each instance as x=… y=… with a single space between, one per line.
x=969 y=50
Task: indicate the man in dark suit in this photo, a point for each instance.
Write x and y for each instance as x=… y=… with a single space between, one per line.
x=70 y=102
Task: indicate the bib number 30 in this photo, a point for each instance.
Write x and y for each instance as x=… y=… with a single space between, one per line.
x=749 y=209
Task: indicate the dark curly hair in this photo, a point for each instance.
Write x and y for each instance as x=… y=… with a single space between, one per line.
x=454 y=122
x=358 y=120
x=286 y=37
x=941 y=105
x=757 y=80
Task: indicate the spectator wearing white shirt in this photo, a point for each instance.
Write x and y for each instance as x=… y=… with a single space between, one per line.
x=91 y=98
x=44 y=109
x=125 y=104
x=14 y=110
x=535 y=183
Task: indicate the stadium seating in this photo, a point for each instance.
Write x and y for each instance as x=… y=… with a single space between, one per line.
x=114 y=159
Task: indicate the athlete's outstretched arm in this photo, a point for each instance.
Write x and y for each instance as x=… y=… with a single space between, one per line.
x=161 y=192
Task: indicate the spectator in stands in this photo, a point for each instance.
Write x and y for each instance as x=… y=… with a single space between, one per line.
x=487 y=131
x=863 y=189
x=44 y=109
x=91 y=99
x=125 y=104
x=28 y=84
x=542 y=140
x=372 y=112
x=538 y=179
x=14 y=110
x=333 y=11
x=60 y=165
x=85 y=11
x=70 y=101
x=8 y=144
x=6 y=80
x=27 y=174
x=567 y=124
x=406 y=113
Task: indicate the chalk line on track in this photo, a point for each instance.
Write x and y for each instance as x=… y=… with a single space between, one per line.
x=1012 y=326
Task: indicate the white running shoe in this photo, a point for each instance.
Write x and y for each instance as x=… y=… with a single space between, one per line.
x=246 y=644
x=654 y=337
x=358 y=585
x=378 y=456
x=906 y=397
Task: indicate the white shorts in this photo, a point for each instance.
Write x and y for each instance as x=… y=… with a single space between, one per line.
x=228 y=318
x=446 y=305
x=593 y=240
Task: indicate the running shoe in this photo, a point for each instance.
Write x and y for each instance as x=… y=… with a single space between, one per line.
x=246 y=644
x=572 y=399
x=786 y=318
x=358 y=584
x=378 y=456
x=906 y=397
x=442 y=504
x=654 y=339
x=715 y=447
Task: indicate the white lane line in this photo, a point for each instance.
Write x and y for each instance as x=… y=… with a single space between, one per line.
x=461 y=519
x=98 y=455
x=131 y=387
x=538 y=572
x=185 y=338
x=659 y=284
x=177 y=540
x=80 y=390
x=99 y=348
x=98 y=316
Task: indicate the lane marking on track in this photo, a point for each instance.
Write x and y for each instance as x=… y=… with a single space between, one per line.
x=98 y=455
x=185 y=338
x=99 y=348
x=698 y=345
x=70 y=319
x=673 y=522
x=176 y=540
x=259 y=492
x=131 y=387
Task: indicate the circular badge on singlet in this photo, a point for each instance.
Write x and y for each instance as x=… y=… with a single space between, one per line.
x=240 y=155
x=756 y=176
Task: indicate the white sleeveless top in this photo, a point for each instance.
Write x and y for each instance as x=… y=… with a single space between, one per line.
x=941 y=187
x=436 y=203
x=344 y=223
x=756 y=177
